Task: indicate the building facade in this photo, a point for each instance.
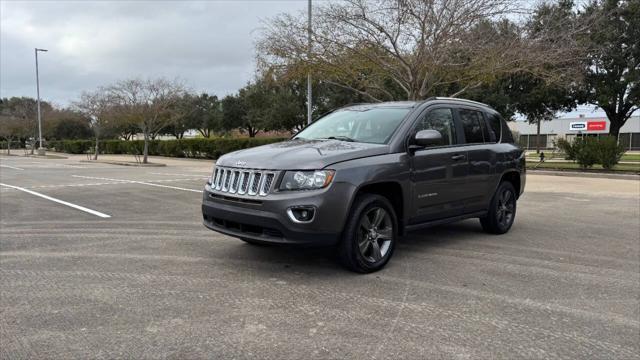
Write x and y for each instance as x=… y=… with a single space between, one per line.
x=570 y=127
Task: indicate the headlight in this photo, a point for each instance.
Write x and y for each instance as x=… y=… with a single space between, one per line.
x=306 y=180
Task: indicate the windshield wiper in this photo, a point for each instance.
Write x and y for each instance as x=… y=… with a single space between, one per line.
x=342 y=138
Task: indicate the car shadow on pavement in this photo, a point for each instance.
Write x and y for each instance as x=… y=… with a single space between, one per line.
x=322 y=261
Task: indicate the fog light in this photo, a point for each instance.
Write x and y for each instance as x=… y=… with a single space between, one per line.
x=301 y=214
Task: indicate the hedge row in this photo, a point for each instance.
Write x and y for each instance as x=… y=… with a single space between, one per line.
x=191 y=148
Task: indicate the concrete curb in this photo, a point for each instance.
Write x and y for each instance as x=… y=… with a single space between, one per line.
x=585 y=174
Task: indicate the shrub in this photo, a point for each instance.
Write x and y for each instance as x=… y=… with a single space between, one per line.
x=567 y=148
x=191 y=148
x=71 y=146
x=609 y=152
x=586 y=151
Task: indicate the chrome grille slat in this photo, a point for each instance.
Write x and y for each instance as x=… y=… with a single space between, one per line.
x=243 y=182
x=214 y=178
x=219 y=179
x=233 y=183
x=255 y=184
x=225 y=180
x=266 y=185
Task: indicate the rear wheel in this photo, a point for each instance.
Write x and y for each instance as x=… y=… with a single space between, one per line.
x=502 y=210
x=369 y=236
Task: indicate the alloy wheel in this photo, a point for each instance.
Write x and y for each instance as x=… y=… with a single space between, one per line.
x=506 y=208
x=375 y=234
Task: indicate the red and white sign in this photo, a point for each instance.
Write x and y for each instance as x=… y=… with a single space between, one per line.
x=596 y=125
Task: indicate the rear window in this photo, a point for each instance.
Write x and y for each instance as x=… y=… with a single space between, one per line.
x=495 y=126
x=472 y=124
x=507 y=136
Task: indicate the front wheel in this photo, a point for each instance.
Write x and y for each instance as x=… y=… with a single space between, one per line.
x=370 y=234
x=502 y=210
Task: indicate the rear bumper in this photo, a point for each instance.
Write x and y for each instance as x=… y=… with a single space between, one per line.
x=267 y=220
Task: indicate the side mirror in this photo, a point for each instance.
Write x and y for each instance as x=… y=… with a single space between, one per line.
x=426 y=138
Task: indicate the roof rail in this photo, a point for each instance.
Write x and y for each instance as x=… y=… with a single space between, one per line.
x=458 y=99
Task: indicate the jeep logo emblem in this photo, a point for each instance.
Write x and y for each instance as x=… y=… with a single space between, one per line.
x=241 y=163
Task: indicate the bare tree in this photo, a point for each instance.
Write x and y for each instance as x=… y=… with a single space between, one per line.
x=411 y=49
x=97 y=106
x=149 y=104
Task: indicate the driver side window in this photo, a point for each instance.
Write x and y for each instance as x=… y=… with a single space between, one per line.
x=440 y=120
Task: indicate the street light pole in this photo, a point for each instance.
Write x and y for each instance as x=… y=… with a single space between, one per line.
x=309 y=73
x=40 y=149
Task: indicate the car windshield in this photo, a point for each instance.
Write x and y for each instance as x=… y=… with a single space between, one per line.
x=368 y=125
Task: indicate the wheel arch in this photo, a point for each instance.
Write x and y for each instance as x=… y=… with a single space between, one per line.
x=393 y=192
x=513 y=177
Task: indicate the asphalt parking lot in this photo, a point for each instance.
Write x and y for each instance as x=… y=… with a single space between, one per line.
x=140 y=277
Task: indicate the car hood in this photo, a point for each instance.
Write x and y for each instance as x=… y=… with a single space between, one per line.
x=300 y=154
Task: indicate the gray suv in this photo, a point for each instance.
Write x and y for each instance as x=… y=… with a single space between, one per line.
x=363 y=175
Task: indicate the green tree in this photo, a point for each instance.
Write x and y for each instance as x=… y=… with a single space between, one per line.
x=24 y=108
x=67 y=124
x=249 y=110
x=536 y=97
x=12 y=127
x=530 y=96
x=205 y=114
x=612 y=65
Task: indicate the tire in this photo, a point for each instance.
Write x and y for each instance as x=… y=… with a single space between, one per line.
x=502 y=210
x=367 y=244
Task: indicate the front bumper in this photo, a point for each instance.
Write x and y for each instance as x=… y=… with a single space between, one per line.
x=265 y=219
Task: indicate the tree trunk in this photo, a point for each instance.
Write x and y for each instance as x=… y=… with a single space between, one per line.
x=615 y=125
x=145 y=151
x=8 y=146
x=538 y=136
x=95 y=156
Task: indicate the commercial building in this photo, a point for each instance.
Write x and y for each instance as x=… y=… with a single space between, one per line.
x=570 y=127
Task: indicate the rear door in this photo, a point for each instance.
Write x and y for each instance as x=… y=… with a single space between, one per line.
x=438 y=171
x=479 y=141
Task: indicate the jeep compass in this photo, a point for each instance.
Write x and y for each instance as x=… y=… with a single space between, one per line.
x=363 y=175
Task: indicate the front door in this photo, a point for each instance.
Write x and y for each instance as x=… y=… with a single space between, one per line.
x=438 y=172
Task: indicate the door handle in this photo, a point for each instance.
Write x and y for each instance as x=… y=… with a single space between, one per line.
x=458 y=157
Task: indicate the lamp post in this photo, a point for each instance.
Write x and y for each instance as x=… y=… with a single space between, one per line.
x=41 y=150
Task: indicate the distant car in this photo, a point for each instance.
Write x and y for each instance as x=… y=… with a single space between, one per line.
x=365 y=174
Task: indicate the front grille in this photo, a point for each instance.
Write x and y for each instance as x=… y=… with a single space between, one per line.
x=250 y=182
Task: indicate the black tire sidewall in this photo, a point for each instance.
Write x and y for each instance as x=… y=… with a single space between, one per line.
x=349 y=251
x=499 y=229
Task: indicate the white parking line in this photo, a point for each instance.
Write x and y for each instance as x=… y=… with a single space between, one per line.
x=82 y=208
x=172 y=174
x=137 y=182
x=11 y=167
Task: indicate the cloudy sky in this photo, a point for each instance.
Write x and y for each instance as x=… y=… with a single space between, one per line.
x=207 y=44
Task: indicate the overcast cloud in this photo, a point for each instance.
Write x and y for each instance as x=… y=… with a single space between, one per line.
x=207 y=44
